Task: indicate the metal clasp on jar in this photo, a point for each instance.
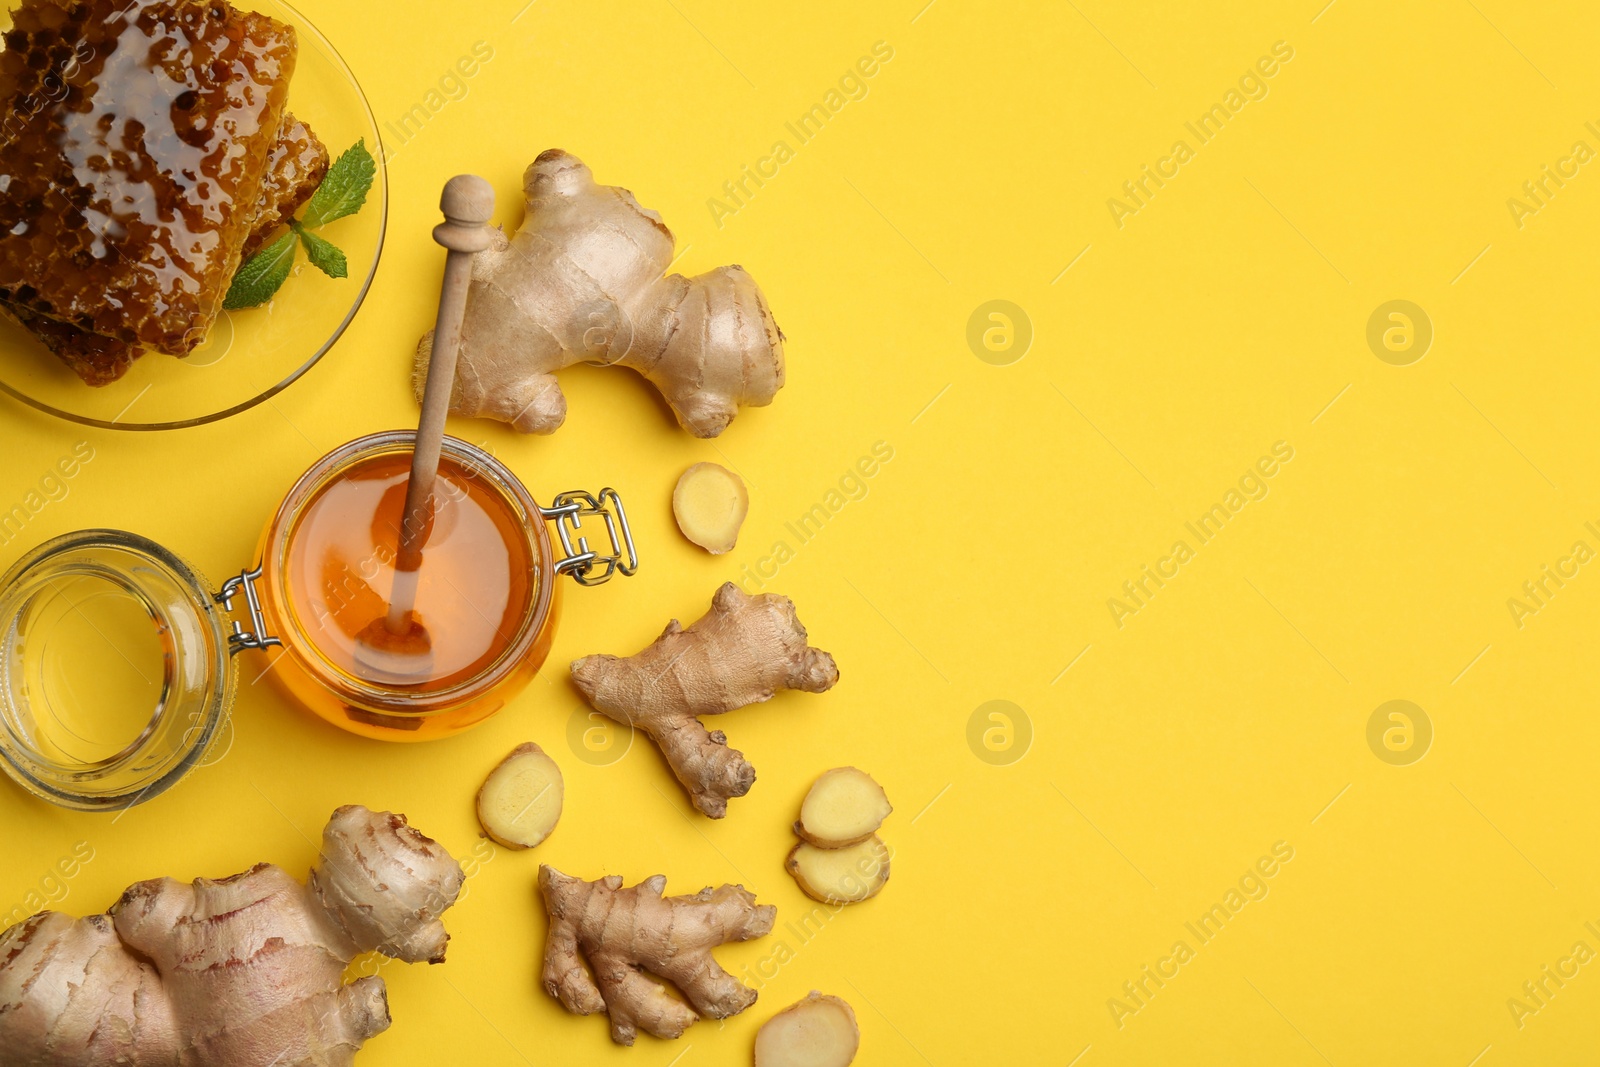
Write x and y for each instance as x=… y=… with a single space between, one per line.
x=587 y=566
x=256 y=636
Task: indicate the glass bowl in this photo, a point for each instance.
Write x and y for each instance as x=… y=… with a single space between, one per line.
x=255 y=353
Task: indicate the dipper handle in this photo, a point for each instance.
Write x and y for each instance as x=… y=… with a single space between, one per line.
x=468 y=204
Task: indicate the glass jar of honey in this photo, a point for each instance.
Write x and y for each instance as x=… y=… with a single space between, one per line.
x=116 y=658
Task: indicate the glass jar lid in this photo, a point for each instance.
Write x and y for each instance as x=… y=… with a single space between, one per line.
x=115 y=672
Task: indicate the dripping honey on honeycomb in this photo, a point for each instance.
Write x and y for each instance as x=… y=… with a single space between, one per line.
x=144 y=147
x=295 y=167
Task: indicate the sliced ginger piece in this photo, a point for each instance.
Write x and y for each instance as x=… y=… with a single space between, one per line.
x=710 y=503
x=840 y=875
x=819 y=1031
x=844 y=806
x=520 y=802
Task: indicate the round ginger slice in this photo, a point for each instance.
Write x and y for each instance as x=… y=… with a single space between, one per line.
x=710 y=503
x=840 y=875
x=844 y=806
x=819 y=1031
x=520 y=802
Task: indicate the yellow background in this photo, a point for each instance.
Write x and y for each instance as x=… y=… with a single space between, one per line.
x=1229 y=713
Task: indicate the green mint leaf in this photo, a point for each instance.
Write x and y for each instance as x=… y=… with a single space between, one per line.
x=344 y=189
x=261 y=275
x=342 y=192
x=323 y=253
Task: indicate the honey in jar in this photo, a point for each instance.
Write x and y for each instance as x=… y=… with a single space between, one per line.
x=473 y=589
x=487 y=597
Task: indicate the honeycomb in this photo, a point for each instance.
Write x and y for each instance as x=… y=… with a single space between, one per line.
x=295 y=167
x=97 y=360
x=297 y=164
x=134 y=141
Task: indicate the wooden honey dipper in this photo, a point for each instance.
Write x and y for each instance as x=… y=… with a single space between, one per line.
x=397 y=648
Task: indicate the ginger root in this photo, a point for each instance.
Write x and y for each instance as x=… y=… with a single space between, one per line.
x=819 y=1031
x=625 y=932
x=844 y=806
x=741 y=652
x=244 y=971
x=581 y=282
x=840 y=875
x=710 y=503
x=520 y=802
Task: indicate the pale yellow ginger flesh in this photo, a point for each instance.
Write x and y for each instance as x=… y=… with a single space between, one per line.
x=244 y=971
x=741 y=652
x=840 y=875
x=843 y=807
x=819 y=1031
x=623 y=933
x=581 y=282
x=710 y=504
x=520 y=802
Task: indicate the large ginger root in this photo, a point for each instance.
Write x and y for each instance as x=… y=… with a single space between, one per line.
x=741 y=652
x=625 y=932
x=581 y=282
x=819 y=1031
x=243 y=971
